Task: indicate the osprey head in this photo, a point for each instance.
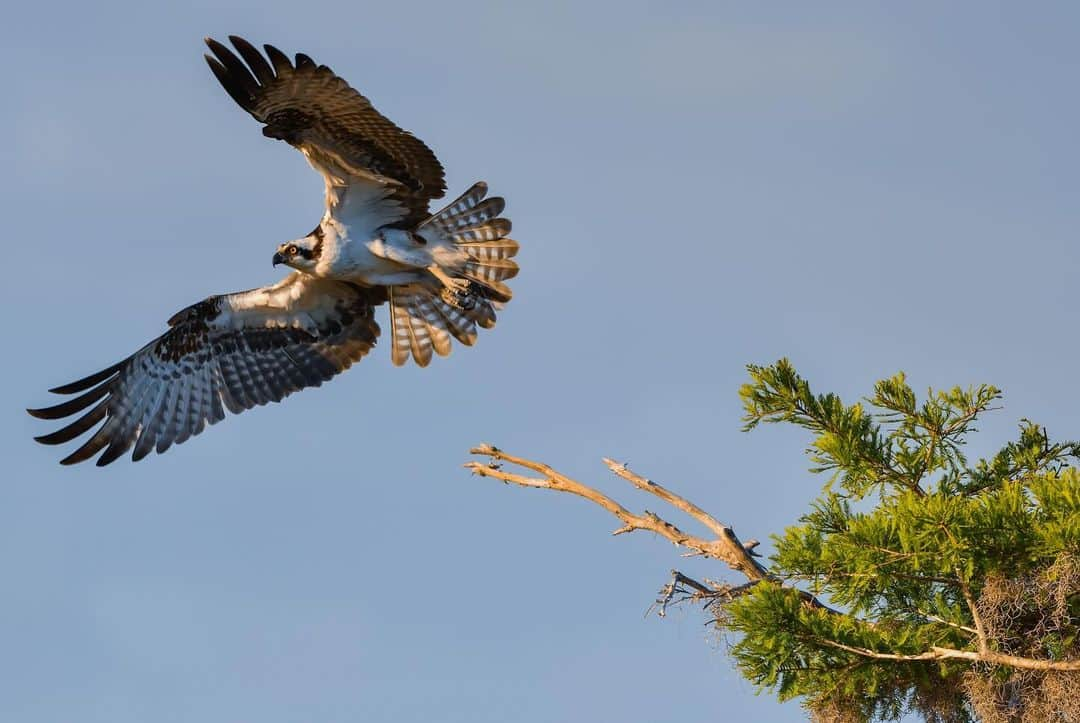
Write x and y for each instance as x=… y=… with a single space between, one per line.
x=301 y=254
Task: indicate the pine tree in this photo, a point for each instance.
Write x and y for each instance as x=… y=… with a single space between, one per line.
x=917 y=582
x=955 y=587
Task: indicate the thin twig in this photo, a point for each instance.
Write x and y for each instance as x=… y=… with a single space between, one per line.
x=668 y=592
x=980 y=629
x=935 y=619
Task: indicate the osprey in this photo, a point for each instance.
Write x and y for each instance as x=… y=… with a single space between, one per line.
x=442 y=274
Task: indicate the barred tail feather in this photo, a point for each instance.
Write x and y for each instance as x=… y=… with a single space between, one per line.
x=421 y=319
x=496 y=228
x=459 y=322
x=417 y=327
x=462 y=203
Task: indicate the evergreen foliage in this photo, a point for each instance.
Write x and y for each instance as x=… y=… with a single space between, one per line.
x=950 y=584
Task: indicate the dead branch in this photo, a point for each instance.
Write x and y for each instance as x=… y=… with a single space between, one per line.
x=726 y=547
x=678 y=587
x=683 y=588
x=647 y=485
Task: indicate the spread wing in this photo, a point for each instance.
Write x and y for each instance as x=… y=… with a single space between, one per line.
x=231 y=352
x=337 y=129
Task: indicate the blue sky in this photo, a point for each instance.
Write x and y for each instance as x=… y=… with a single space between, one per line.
x=863 y=187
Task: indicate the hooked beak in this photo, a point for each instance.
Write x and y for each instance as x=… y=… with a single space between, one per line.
x=278 y=259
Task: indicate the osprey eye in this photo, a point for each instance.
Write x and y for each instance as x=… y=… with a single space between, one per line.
x=292 y=250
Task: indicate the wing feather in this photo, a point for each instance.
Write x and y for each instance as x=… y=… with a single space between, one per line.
x=228 y=352
x=338 y=129
x=282 y=65
x=262 y=70
x=235 y=398
x=90 y=381
x=152 y=424
x=127 y=420
x=79 y=426
x=303 y=62
x=66 y=409
x=167 y=418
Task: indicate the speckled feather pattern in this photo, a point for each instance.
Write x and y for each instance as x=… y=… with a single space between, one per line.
x=218 y=354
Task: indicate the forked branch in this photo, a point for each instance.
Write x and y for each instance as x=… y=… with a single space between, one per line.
x=725 y=546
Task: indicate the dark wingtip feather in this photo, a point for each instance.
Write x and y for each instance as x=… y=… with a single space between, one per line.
x=87 y=382
x=281 y=62
x=236 y=78
x=42 y=413
x=93 y=445
x=242 y=98
x=80 y=425
x=303 y=60
x=71 y=406
x=219 y=50
x=263 y=72
x=141 y=452
x=116 y=449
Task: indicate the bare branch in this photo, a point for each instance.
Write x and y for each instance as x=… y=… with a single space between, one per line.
x=936 y=653
x=708 y=591
x=647 y=485
x=725 y=547
x=673 y=588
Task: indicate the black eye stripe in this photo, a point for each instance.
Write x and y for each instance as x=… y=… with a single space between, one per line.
x=296 y=250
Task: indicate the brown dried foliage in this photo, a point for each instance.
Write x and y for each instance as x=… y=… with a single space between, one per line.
x=1021 y=614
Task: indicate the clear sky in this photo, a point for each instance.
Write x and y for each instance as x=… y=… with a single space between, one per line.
x=863 y=187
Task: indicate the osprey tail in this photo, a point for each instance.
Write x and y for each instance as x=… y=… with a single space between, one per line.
x=423 y=318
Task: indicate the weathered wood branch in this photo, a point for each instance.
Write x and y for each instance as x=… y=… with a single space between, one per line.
x=647 y=485
x=725 y=547
x=935 y=653
x=682 y=588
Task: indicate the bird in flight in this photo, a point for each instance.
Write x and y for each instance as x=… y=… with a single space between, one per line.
x=442 y=274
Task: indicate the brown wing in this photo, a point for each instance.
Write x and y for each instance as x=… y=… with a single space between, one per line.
x=316 y=111
x=231 y=352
